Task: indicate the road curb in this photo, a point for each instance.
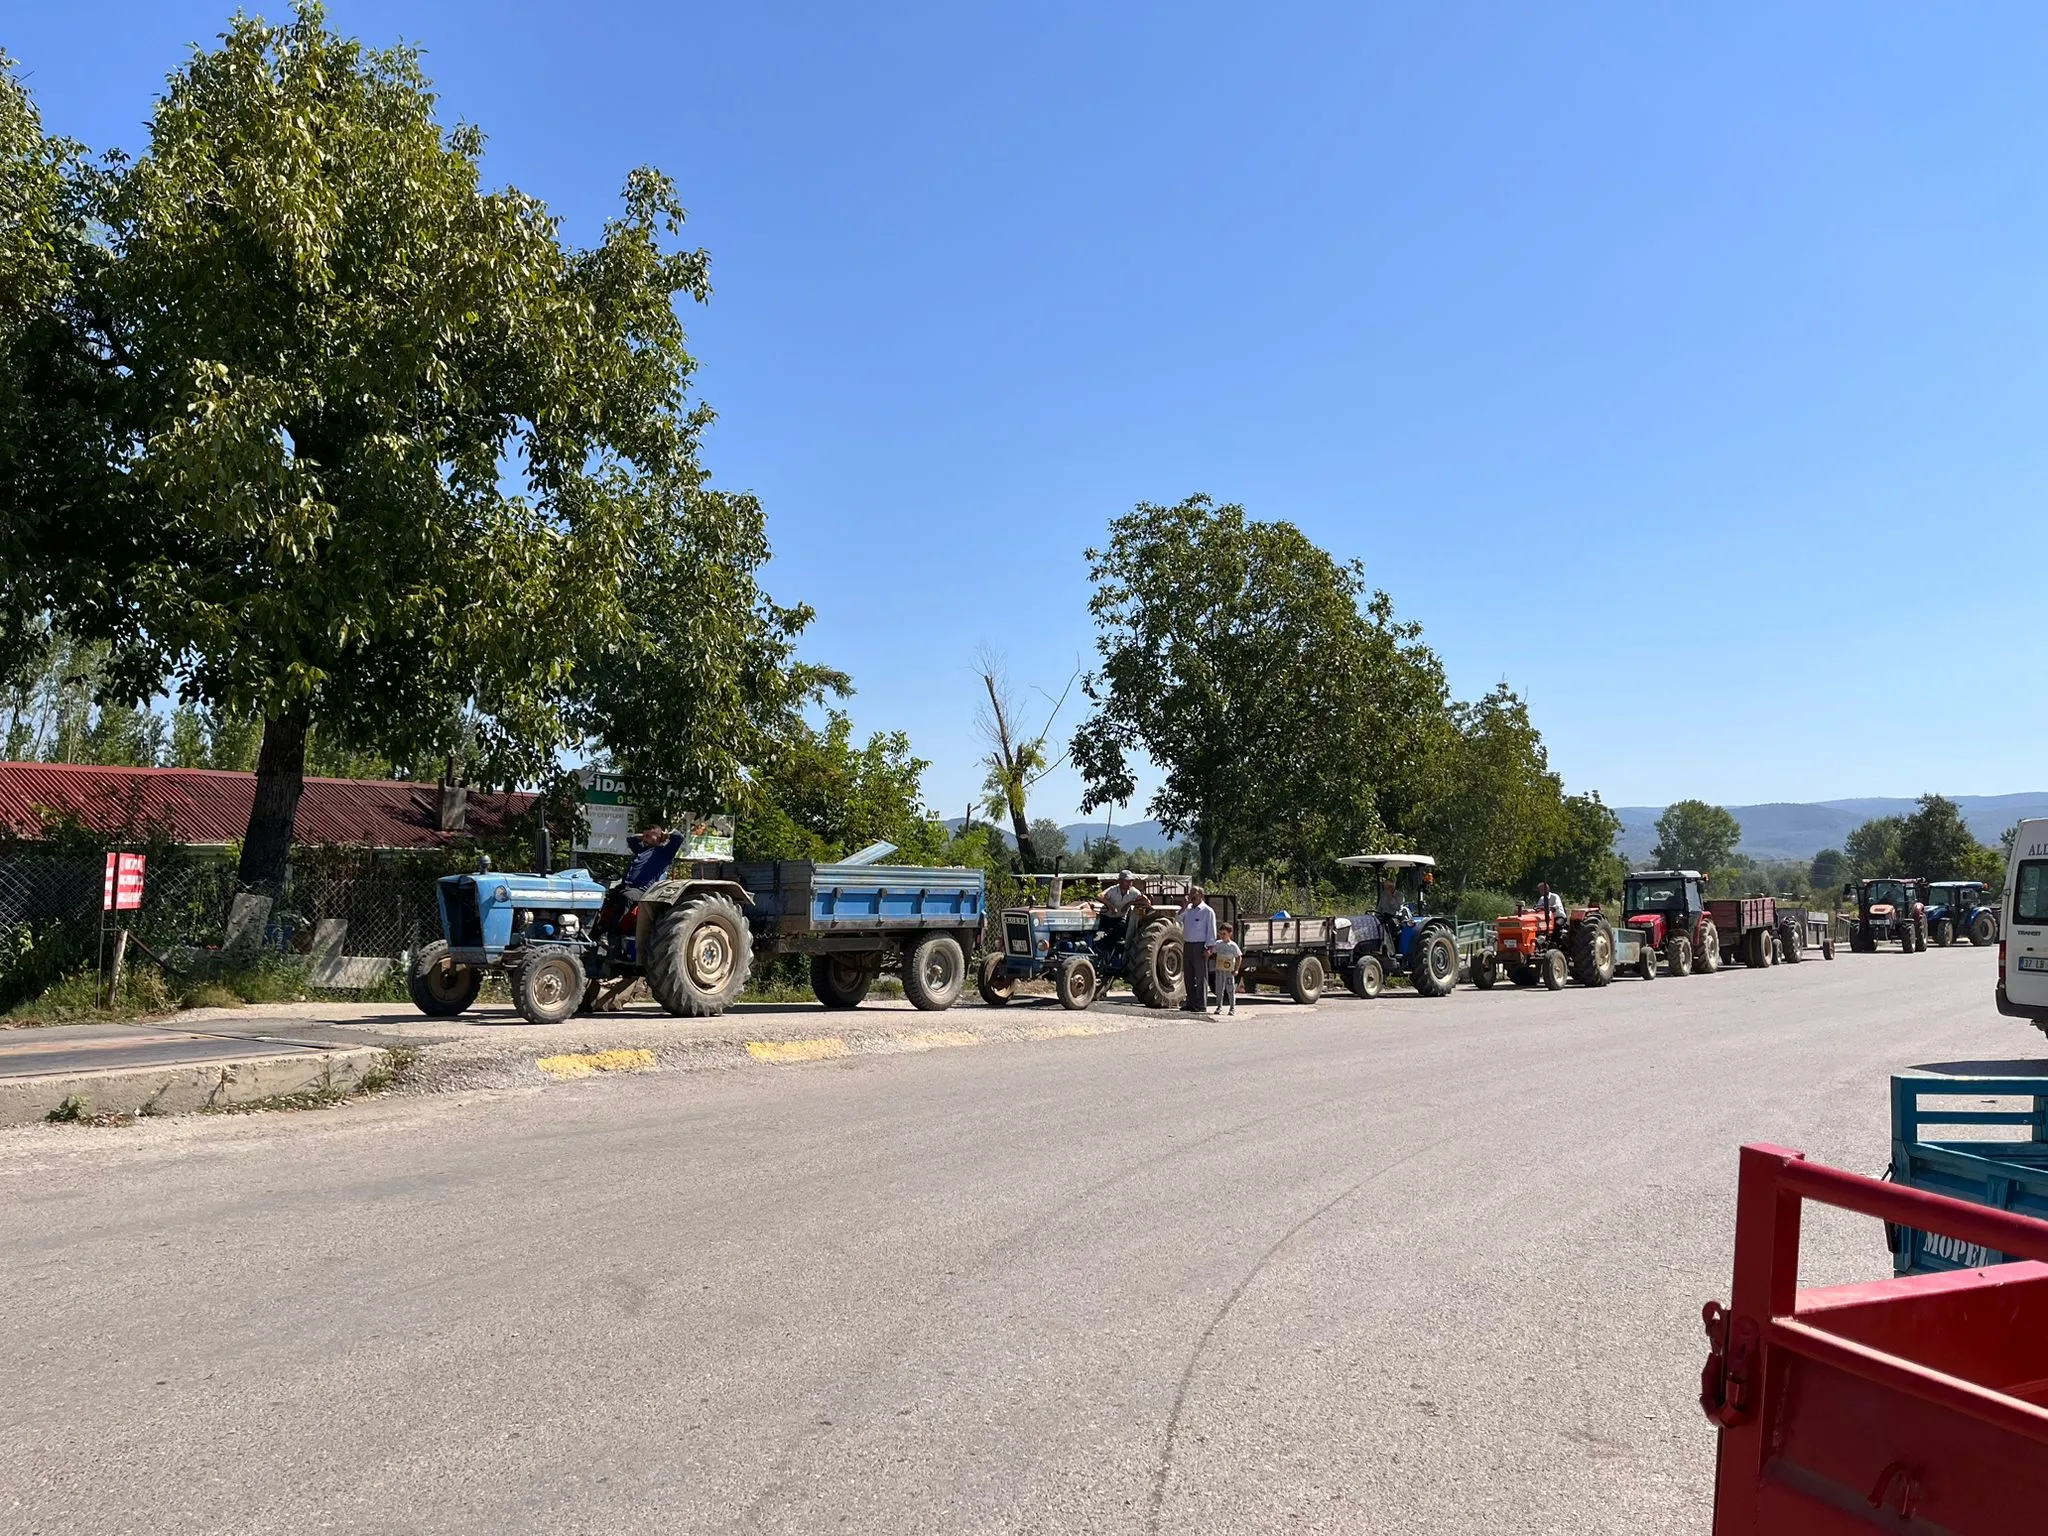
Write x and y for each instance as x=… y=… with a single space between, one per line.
x=185 y=1087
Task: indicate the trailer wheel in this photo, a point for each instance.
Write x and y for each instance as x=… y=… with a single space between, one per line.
x=1706 y=955
x=841 y=981
x=440 y=987
x=1827 y=947
x=1074 y=981
x=1555 y=969
x=995 y=983
x=548 y=987
x=934 y=972
x=1678 y=954
x=1366 y=977
x=1305 y=978
x=1485 y=970
x=1593 y=954
x=1983 y=929
x=1433 y=964
x=1154 y=967
x=1646 y=963
x=1756 y=948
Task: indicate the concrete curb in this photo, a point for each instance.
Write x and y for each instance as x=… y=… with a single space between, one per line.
x=185 y=1087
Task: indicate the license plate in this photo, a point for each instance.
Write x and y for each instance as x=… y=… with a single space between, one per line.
x=2034 y=962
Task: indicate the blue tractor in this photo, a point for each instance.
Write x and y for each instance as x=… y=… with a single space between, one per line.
x=1960 y=909
x=692 y=936
x=1084 y=949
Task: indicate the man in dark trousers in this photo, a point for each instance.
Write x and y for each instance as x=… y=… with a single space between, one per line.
x=1198 y=933
x=654 y=849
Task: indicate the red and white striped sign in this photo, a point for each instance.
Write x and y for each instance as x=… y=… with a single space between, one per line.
x=123 y=889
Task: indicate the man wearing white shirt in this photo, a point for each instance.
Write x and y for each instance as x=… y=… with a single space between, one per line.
x=1198 y=931
x=1549 y=901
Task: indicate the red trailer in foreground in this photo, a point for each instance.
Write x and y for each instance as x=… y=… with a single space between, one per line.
x=1913 y=1404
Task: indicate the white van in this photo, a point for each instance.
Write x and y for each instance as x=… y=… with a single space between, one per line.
x=2023 y=953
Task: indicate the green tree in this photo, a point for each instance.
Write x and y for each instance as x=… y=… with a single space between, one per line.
x=1236 y=655
x=392 y=448
x=1692 y=834
x=1499 y=807
x=1937 y=844
x=820 y=796
x=1873 y=848
x=1048 y=840
x=57 y=449
x=1831 y=867
x=1580 y=861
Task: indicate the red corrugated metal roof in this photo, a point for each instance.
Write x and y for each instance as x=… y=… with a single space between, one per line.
x=196 y=805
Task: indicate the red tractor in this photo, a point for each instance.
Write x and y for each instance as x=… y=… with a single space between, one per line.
x=1669 y=908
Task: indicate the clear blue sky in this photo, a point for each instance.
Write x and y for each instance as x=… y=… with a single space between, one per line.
x=1685 y=370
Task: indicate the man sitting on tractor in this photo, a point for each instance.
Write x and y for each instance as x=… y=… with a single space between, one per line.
x=1120 y=903
x=1548 y=901
x=654 y=850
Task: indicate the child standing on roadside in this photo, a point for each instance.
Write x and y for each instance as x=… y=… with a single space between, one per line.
x=1225 y=954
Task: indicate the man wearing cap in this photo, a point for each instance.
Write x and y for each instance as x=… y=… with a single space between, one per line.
x=1198 y=931
x=1120 y=903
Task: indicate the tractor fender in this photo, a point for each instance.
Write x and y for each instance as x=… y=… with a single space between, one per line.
x=670 y=892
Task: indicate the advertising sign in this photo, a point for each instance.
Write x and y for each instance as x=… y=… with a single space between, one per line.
x=122 y=889
x=608 y=804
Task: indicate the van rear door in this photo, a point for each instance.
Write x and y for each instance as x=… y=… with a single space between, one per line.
x=2025 y=971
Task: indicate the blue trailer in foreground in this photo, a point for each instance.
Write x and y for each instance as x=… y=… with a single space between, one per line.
x=1999 y=1159
x=693 y=937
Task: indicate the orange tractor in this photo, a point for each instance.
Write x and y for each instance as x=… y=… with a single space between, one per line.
x=1533 y=946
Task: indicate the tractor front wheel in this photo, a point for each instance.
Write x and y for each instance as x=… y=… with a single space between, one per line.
x=1074 y=981
x=1555 y=969
x=1433 y=963
x=548 y=987
x=1678 y=954
x=1941 y=933
x=440 y=987
x=1983 y=929
x=994 y=982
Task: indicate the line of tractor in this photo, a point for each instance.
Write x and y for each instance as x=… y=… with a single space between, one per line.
x=567 y=943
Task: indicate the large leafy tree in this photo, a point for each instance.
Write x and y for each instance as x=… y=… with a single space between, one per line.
x=394 y=456
x=1873 y=848
x=1580 y=860
x=1497 y=806
x=1937 y=844
x=1691 y=834
x=57 y=478
x=1281 y=701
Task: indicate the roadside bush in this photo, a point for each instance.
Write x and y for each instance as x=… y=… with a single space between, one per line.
x=1481 y=905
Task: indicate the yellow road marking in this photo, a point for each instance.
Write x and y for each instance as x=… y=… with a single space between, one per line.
x=584 y=1063
x=783 y=1052
x=935 y=1038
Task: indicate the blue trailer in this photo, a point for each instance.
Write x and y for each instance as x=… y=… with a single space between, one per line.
x=565 y=941
x=1999 y=1159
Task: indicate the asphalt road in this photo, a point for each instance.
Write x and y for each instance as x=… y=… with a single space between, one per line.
x=1406 y=1266
x=92 y=1047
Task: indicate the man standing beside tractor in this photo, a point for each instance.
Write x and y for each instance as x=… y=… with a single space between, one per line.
x=1198 y=936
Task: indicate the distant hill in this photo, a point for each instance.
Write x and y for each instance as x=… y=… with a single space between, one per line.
x=1799 y=831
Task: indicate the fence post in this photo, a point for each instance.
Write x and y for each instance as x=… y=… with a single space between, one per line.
x=120 y=955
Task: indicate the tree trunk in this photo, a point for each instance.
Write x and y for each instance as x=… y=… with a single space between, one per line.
x=280 y=778
x=1207 y=846
x=1024 y=849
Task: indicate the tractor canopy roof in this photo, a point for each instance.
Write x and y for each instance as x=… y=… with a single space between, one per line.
x=1957 y=885
x=1388 y=860
x=1665 y=874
